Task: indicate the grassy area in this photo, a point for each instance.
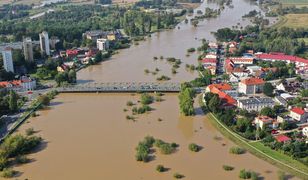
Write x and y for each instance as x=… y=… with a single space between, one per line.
x=258 y=149
x=280 y=156
x=303 y=39
x=293 y=21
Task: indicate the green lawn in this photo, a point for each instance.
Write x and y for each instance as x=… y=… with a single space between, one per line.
x=293 y=21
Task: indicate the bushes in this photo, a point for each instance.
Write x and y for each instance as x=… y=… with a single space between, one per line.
x=160 y=168
x=178 y=176
x=8 y=173
x=194 y=147
x=236 y=150
x=190 y=50
x=30 y=131
x=146 y=99
x=141 y=110
x=227 y=168
x=163 y=78
x=245 y=174
x=143 y=151
x=166 y=148
x=129 y=103
x=21 y=159
x=143 y=148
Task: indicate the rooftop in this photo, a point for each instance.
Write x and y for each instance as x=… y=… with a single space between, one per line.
x=298 y=110
x=255 y=100
x=282 y=138
x=281 y=56
x=265 y=119
x=253 y=81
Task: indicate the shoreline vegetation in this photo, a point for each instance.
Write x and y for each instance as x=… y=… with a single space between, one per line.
x=257 y=148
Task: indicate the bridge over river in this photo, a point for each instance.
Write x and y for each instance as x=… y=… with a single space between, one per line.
x=123 y=87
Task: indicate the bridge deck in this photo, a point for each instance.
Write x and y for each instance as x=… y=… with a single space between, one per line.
x=121 y=87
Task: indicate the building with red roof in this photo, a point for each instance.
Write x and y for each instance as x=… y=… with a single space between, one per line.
x=265 y=121
x=220 y=90
x=299 y=114
x=241 y=60
x=300 y=63
x=71 y=53
x=282 y=138
x=251 y=85
x=25 y=83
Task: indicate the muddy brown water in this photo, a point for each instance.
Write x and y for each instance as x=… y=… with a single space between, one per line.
x=87 y=136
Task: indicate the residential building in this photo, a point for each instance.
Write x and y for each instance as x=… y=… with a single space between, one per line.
x=27 y=83
x=282 y=138
x=299 y=114
x=251 y=86
x=300 y=63
x=53 y=41
x=253 y=69
x=24 y=84
x=71 y=53
x=102 y=44
x=8 y=59
x=222 y=91
x=265 y=121
x=93 y=35
x=44 y=43
x=242 y=60
x=305 y=131
x=255 y=103
x=209 y=62
x=281 y=101
x=212 y=69
x=28 y=48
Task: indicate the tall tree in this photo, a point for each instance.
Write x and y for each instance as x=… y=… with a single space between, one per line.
x=13 y=97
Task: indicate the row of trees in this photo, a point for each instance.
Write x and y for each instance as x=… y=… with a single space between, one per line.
x=70 y=22
x=186 y=98
x=266 y=40
x=10 y=102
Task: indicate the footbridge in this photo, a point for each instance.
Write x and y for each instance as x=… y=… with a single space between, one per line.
x=125 y=87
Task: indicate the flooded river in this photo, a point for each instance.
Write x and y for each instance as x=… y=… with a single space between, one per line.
x=88 y=136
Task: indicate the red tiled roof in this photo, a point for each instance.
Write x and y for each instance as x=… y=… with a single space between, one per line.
x=72 y=52
x=209 y=60
x=222 y=86
x=6 y=83
x=281 y=56
x=241 y=59
x=253 y=81
x=298 y=110
x=282 y=138
x=218 y=89
x=265 y=119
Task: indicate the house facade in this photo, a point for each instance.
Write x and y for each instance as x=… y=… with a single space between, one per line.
x=251 y=86
x=255 y=104
x=265 y=121
x=299 y=114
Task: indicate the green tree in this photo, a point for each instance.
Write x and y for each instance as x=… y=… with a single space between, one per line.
x=267 y=111
x=13 y=97
x=268 y=89
x=214 y=103
x=72 y=76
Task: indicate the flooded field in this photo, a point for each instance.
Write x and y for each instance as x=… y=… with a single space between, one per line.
x=88 y=137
